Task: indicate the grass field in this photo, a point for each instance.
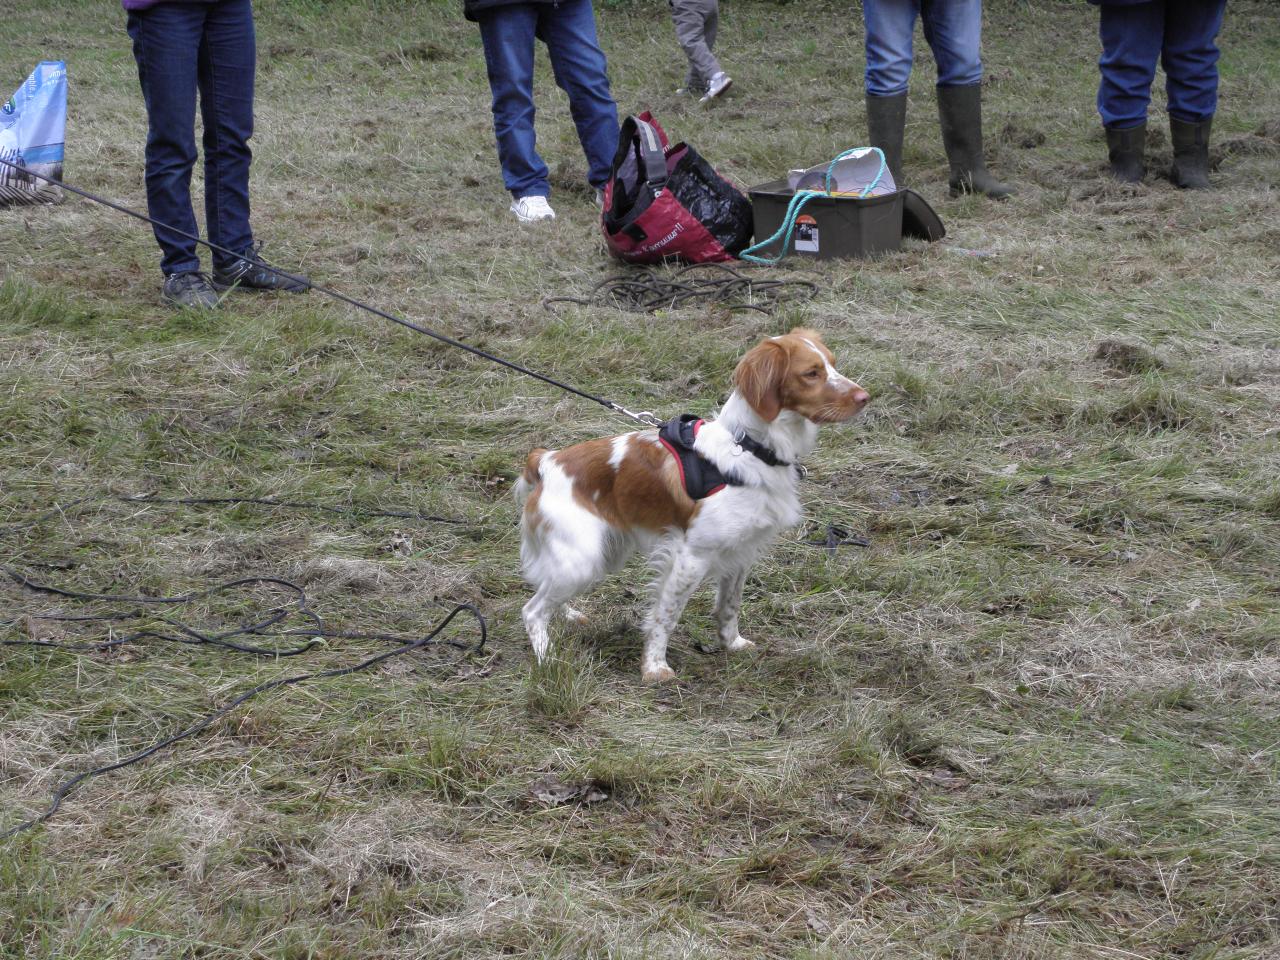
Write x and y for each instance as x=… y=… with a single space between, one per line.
x=1037 y=718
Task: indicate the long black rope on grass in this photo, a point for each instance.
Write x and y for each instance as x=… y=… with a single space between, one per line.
x=184 y=633
x=701 y=283
x=67 y=786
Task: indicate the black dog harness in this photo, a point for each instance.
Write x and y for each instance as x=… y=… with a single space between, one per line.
x=700 y=477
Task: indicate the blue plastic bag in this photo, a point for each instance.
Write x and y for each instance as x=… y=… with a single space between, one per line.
x=33 y=125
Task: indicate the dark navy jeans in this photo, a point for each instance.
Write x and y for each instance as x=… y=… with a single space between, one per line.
x=568 y=28
x=182 y=48
x=1181 y=34
x=953 y=29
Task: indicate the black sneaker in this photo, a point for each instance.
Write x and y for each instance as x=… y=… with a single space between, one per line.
x=251 y=272
x=189 y=290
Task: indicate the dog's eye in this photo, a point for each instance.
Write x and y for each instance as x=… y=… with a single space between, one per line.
x=811 y=374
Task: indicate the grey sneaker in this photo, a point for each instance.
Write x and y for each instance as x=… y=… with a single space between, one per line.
x=718 y=85
x=189 y=291
x=251 y=272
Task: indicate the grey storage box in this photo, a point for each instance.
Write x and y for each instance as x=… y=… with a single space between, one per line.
x=829 y=227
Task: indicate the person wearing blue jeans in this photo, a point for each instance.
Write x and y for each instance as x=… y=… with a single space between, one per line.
x=508 y=29
x=204 y=48
x=1181 y=34
x=953 y=29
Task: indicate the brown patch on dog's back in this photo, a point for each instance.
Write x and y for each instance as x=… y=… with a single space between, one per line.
x=644 y=491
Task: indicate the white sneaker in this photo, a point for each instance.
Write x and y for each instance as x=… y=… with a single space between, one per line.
x=718 y=85
x=532 y=209
x=599 y=196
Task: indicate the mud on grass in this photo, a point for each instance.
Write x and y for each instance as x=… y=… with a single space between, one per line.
x=1036 y=717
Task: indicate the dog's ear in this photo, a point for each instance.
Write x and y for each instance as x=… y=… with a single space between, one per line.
x=759 y=378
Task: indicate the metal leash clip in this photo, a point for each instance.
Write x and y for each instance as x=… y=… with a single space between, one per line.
x=647 y=417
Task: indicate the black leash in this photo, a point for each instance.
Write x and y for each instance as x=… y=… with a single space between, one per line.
x=646 y=417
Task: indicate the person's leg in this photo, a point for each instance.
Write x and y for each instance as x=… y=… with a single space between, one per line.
x=1131 y=39
x=166 y=41
x=889 y=28
x=507 y=34
x=719 y=81
x=569 y=31
x=889 y=25
x=690 y=19
x=693 y=83
x=226 y=71
x=711 y=23
x=954 y=31
x=1190 y=58
x=1130 y=45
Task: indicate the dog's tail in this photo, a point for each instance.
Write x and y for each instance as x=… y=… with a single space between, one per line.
x=532 y=475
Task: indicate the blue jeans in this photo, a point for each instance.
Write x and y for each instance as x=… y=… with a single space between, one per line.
x=181 y=48
x=568 y=28
x=952 y=27
x=1181 y=33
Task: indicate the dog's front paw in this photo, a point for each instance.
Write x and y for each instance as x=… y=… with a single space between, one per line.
x=657 y=673
x=738 y=644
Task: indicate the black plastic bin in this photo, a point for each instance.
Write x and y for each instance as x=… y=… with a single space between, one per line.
x=829 y=227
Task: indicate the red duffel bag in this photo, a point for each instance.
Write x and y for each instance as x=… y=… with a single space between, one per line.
x=664 y=202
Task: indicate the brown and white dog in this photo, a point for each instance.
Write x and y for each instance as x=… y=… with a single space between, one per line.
x=589 y=507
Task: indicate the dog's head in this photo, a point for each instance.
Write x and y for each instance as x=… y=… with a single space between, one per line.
x=796 y=372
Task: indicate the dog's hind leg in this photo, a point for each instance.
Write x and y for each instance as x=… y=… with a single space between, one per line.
x=545 y=603
x=676 y=585
x=560 y=570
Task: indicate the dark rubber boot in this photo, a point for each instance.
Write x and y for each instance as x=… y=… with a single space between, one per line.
x=1190 y=154
x=960 y=110
x=1127 y=152
x=886 y=119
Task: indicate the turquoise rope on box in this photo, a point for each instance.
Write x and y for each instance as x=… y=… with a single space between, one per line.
x=799 y=199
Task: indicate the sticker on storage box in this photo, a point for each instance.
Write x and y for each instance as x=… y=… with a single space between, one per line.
x=806 y=234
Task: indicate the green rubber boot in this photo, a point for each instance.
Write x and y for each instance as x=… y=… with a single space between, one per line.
x=886 y=120
x=1190 y=154
x=960 y=110
x=1126 y=149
